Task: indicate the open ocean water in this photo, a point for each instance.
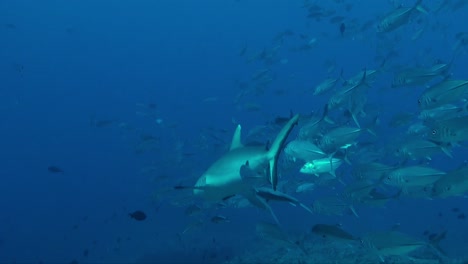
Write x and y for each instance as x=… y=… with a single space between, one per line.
x=118 y=120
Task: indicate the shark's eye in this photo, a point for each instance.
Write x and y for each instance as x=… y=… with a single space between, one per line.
x=434 y=132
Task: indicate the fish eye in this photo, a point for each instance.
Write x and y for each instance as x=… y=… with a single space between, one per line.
x=419 y=101
x=434 y=132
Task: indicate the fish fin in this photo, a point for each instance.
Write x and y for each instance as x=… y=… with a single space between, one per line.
x=447 y=152
x=355 y=119
x=346 y=159
x=259 y=202
x=300 y=245
x=267 y=145
x=422 y=10
x=306 y=208
x=418 y=3
x=275 y=148
x=342 y=182
x=228 y=197
x=182 y=187
x=272 y=173
x=434 y=243
x=329 y=121
x=325 y=113
x=363 y=80
x=236 y=138
x=273 y=215
x=332 y=170
x=371 y=132
x=351 y=207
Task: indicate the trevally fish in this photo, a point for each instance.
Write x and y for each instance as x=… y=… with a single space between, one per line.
x=325 y=86
x=445 y=111
x=333 y=205
x=320 y=166
x=332 y=231
x=391 y=243
x=454 y=183
x=339 y=138
x=416 y=148
x=398 y=17
x=445 y=92
x=413 y=176
x=450 y=131
x=303 y=150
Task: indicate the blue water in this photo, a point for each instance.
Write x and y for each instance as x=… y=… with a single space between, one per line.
x=66 y=64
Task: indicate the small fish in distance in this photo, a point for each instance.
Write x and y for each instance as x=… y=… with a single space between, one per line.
x=342 y=29
x=54 y=169
x=138 y=215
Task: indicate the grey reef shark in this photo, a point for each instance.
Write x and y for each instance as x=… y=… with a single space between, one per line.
x=243 y=170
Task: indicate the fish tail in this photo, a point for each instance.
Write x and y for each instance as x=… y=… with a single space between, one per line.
x=300 y=243
x=274 y=215
x=418 y=3
x=305 y=207
x=420 y=8
x=275 y=148
x=353 y=210
x=434 y=244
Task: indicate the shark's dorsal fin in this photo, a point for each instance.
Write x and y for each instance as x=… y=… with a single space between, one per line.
x=236 y=139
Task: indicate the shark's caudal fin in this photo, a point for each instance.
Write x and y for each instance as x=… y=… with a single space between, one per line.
x=275 y=148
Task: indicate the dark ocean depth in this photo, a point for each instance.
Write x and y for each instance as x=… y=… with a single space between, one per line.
x=118 y=120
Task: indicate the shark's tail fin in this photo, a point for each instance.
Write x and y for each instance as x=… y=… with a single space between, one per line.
x=275 y=148
x=434 y=243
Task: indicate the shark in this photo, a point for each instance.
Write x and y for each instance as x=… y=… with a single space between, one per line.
x=224 y=178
